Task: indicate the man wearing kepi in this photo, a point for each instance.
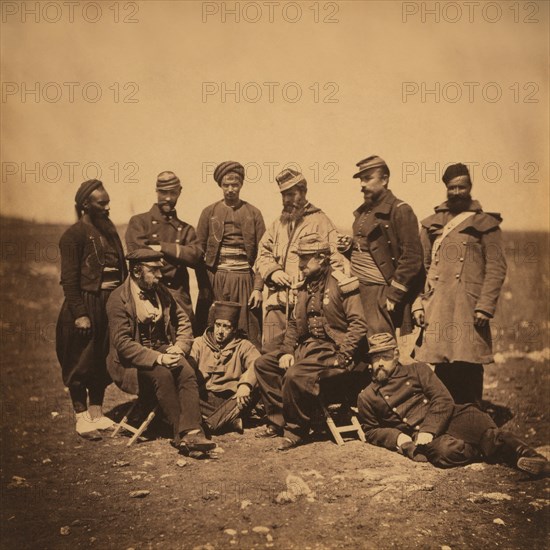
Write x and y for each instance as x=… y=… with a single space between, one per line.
x=160 y=229
x=408 y=409
x=150 y=340
x=322 y=340
x=466 y=267
x=277 y=260
x=229 y=232
x=92 y=265
x=226 y=369
x=385 y=253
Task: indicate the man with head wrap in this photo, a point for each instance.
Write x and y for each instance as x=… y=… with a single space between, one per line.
x=278 y=261
x=161 y=230
x=92 y=265
x=466 y=267
x=229 y=232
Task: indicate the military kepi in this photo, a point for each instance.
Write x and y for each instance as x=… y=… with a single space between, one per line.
x=166 y=181
x=151 y=258
x=312 y=244
x=381 y=342
x=369 y=164
x=288 y=178
x=227 y=311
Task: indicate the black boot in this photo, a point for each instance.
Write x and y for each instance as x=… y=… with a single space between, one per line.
x=524 y=456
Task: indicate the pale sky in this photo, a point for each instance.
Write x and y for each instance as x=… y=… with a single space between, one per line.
x=361 y=79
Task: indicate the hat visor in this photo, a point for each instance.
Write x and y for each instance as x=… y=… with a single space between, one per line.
x=153 y=263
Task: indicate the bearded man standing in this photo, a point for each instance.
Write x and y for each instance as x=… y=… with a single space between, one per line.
x=385 y=254
x=278 y=260
x=92 y=266
x=465 y=267
x=161 y=230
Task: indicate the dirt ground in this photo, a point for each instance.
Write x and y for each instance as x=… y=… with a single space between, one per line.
x=59 y=491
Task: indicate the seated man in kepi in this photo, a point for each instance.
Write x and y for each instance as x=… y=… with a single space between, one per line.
x=322 y=340
x=409 y=410
x=150 y=338
x=225 y=358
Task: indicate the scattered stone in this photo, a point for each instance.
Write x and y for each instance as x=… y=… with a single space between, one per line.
x=92 y=539
x=95 y=494
x=54 y=414
x=47 y=461
x=147 y=463
x=230 y=532
x=498 y=521
x=445 y=547
x=476 y=467
x=76 y=522
x=260 y=530
x=295 y=487
x=313 y=473
x=34 y=399
x=488 y=497
x=245 y=504
x=539 y=503
x=206 y=546
x=244 y=532
x=18 y=481
x=65 y=530
x=181 y=463
x=166 y=475
x=142 y=493
x=120 y=463
x=269 y=537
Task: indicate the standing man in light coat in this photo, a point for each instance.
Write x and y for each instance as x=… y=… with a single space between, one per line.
x=277 y=260
x=466 y=267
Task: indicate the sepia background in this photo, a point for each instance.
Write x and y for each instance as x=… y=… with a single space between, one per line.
x=124 y=90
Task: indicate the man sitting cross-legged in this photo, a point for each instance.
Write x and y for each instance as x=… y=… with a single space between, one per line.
x=225 y=358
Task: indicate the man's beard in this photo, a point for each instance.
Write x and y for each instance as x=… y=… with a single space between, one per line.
x=105 y=226
x=295 y=215
x=458 y=204
x=380 y=376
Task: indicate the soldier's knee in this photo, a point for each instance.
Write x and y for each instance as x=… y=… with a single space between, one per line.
x=447 y=452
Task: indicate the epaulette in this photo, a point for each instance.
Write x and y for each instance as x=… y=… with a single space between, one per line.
x=345 y=284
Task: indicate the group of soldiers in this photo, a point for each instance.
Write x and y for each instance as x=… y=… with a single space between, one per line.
x=333 y=304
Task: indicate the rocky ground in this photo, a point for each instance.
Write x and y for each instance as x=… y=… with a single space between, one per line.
x=59 y=491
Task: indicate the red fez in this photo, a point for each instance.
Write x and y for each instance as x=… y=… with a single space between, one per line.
x=225 y=168
x=227 y=311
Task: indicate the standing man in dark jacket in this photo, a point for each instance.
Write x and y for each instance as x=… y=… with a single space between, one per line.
x=385 y=252
x=160 y=229
x=322 y=340
x=150 y=342
x=229 y=232
x=408 y=409
x=466 y=267
x=92 y=266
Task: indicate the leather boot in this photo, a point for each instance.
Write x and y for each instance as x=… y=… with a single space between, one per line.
x=525 y=457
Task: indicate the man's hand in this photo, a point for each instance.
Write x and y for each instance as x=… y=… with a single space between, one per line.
x=481 y=319
x=168 y=360
x=242 y=395
x=255 y=300
x=286 y=361
x=83 y=324
x=281 y=278
x=343 y=361
x=419 y=318
x=175 y=350
x=155 y=247
x=390 y=306
x=423 y=438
